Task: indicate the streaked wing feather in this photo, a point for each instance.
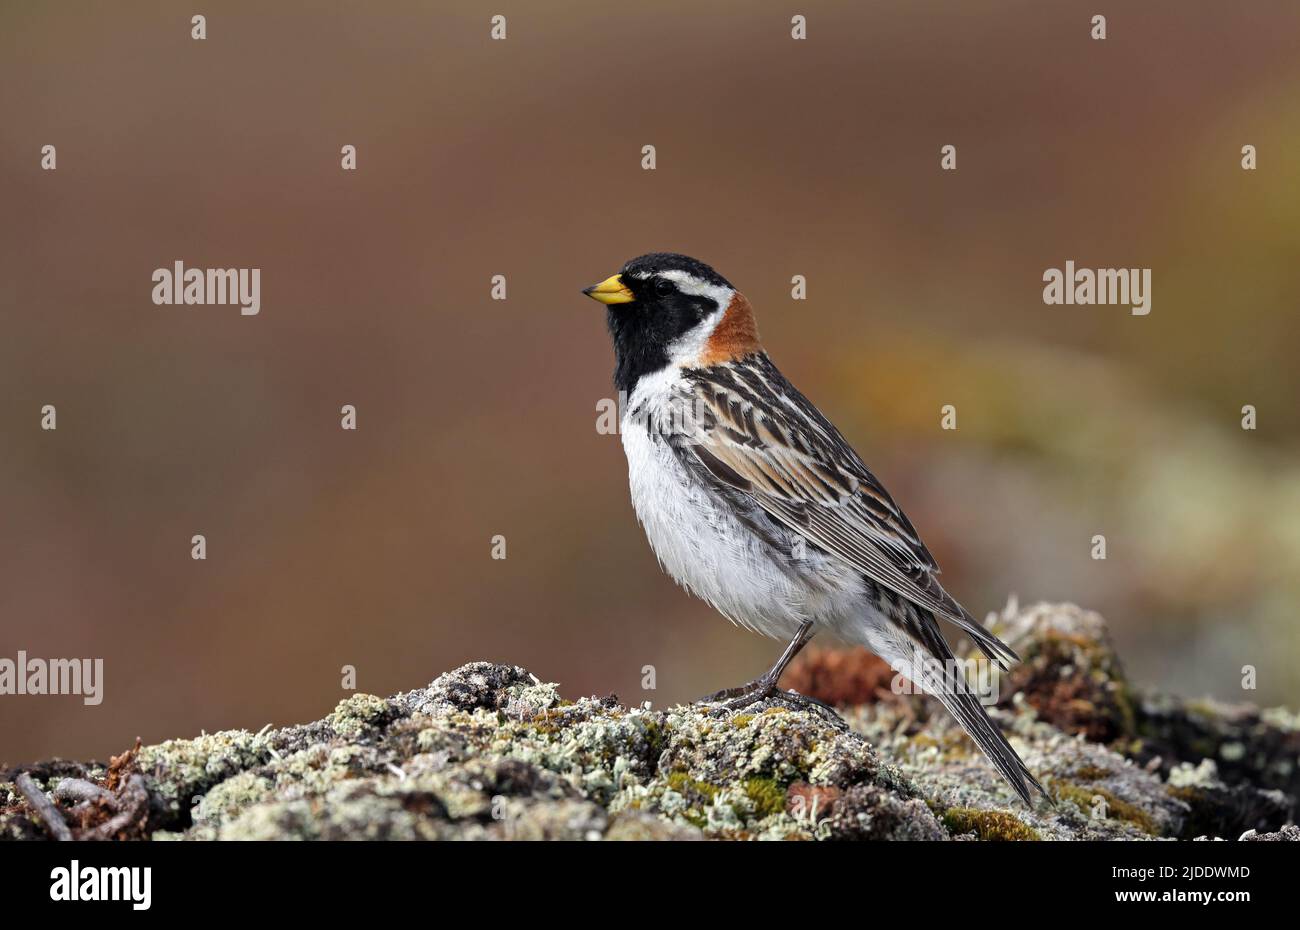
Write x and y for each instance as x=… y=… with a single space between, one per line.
x=756 y=433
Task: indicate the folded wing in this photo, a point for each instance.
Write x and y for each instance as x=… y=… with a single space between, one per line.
x=750 y=429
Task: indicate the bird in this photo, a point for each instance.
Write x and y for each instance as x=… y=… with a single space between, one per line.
x=753 y=501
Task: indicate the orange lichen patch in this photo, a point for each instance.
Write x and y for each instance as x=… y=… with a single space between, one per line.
x=1092 y=699
x=119 y=767
x=735 y=336
x=840 y=677
x=805 y=800
x=1079 y=706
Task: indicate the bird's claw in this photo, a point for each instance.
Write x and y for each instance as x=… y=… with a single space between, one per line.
x=730 y=700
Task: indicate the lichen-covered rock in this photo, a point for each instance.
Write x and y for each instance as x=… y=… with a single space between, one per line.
x=1250 y=747
x=490 y=752
x=1098 y=793
x=1127 y=766
x=1289 y=833
x=1069 y=671
x=178 y=772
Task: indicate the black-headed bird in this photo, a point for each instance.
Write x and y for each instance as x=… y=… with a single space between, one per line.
x=753 y=501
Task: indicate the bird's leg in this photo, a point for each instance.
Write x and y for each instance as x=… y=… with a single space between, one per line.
x=765 y=685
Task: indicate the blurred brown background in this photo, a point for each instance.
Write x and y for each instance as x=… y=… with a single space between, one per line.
x=477 y=417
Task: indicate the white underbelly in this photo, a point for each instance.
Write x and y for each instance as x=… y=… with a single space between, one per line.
x=715 y=556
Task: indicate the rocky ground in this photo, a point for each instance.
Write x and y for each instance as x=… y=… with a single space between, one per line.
x=491 y=752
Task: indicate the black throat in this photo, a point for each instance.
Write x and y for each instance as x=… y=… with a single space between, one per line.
x=634 y=354
x=644 y=330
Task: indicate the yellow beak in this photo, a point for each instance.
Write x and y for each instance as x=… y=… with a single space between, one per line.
x=610 y=291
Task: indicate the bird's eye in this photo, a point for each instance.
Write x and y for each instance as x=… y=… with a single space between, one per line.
x=663 y=287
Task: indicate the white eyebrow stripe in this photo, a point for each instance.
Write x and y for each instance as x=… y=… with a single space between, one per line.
x=687 y=283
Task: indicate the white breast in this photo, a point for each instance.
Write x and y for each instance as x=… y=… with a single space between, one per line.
x=701 y=543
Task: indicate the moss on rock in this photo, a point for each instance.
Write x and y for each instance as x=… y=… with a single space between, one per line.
x=491 y=752
x=992 y=826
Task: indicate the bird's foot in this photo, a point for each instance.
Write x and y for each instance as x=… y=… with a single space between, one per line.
x=730 y=700
x=759 y=686
x=804 y=701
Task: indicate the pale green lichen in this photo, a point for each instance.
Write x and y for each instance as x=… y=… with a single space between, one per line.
x=1186 y=775
x=359 y=714
x=180 y=770
x=231 y=797
x=1281 y=718
x=490 y=751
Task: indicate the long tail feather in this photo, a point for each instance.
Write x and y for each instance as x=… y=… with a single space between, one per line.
x=974 y=719
x=941 y=678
